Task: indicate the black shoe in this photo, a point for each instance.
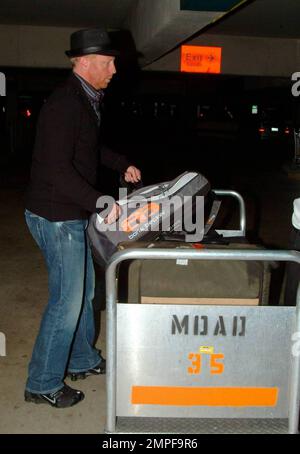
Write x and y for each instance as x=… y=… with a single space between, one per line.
x=100 y=369
x=64 y=397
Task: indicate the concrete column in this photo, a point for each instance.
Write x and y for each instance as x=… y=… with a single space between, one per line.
x=158 y=25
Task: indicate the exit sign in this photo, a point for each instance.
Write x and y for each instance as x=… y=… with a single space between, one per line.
x=201 y=59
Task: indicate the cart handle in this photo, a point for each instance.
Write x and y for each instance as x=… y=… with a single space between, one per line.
x=242 y=230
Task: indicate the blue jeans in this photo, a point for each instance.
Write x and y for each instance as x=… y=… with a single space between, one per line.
x=66 y=335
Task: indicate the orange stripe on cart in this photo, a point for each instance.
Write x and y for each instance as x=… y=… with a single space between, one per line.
x=211 y=397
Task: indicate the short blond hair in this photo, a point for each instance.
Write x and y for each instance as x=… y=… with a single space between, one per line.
x=74 y=61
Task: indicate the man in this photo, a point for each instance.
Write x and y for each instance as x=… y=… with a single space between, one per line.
x=60 y=197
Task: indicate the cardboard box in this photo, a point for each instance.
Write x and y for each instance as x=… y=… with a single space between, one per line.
x=201 y=301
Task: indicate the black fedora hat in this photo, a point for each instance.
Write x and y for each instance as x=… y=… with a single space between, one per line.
x=90 y=41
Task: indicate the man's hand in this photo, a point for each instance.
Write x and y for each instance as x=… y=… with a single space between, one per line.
x=113 y=215
x=132 y=175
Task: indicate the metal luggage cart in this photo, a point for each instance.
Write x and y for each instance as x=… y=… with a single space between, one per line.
x=201 y=369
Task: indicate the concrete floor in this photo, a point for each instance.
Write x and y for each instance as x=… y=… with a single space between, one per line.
x=23 y=292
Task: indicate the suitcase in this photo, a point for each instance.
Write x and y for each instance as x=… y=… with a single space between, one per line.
x=194 y=281
x=151 y=210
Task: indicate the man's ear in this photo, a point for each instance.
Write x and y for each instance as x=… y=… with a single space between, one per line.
x=84 y=62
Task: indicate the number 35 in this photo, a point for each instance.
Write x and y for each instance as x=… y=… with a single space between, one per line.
x=216 y=367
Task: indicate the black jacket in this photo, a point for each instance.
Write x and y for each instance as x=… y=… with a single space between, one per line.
x=66 y=156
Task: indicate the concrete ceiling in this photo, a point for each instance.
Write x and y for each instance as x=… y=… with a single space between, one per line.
x=276 y=18
x=265 y=18
x=158 y=26
x=67 y=13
